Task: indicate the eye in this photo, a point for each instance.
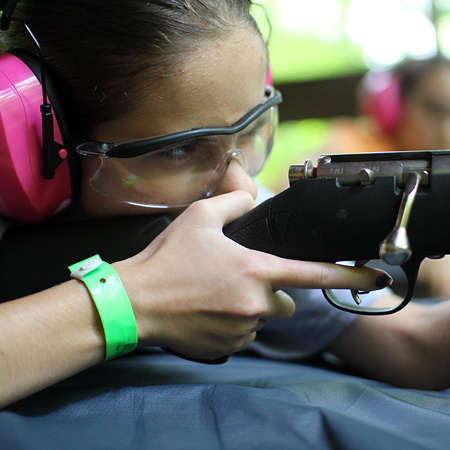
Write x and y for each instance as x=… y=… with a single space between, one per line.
x=195 y=154
x=181 y=152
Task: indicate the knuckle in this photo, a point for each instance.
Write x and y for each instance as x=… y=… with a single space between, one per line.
x=248 y=307
x=254 y=308
x=256 y=299
x=198 y=207
x=245 y=196
x=231 y=345
x=324 y=276
x=248 y=340
x=240 y=342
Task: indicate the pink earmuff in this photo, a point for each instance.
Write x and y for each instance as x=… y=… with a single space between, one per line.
x=269 y=79
x=381 y=100
x=25 y=194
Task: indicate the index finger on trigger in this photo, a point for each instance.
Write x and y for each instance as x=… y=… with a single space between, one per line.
x=285 y=273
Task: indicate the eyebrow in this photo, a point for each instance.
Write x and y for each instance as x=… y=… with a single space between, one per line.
x=137 y=148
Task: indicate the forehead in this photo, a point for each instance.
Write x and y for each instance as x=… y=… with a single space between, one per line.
x=229 y=75
x=217 y=84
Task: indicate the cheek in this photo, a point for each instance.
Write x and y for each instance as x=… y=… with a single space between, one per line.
x=417 y=131
x=95 y=204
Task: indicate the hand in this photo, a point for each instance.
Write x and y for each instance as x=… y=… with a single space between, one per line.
x=197 y=292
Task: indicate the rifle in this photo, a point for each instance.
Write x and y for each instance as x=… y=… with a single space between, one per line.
x=349 y=207
x=389 y=206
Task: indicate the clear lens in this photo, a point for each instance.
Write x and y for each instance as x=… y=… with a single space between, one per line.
x=184 y=172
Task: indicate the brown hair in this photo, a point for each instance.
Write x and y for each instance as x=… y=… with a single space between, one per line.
x=410 y=72
x=102 y=52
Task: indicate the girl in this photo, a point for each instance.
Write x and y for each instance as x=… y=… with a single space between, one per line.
x=134 y=70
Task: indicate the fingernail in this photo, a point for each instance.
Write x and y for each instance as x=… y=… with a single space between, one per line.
x=383 y=280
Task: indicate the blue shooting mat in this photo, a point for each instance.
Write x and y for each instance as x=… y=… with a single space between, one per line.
x=158 y=401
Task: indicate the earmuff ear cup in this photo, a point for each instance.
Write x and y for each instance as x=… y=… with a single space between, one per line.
x=24 y=193
x=269 y=78
x=379 y=97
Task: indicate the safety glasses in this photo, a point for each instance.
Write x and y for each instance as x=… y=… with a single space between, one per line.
x=179 y=168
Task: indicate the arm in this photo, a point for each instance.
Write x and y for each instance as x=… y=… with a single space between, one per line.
x=408 y=349
x=192 y=290
x=433 y=277
x=47 y=337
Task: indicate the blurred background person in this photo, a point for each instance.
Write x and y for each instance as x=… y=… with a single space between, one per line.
x=406 y=108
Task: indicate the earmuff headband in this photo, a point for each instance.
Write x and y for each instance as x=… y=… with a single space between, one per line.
x=52 y=154
x=7 y=8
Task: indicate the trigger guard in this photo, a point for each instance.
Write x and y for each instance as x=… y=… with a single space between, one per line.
x=410 y=269
x=354 y=292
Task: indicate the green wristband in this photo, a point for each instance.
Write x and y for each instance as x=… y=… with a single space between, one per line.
x=112 y=302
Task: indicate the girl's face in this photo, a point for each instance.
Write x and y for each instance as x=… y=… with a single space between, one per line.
x=217 y=86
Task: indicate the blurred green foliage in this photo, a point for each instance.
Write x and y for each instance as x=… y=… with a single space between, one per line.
x=309 y=45
x=310 y=40
x=303 y=53
x=295 y=142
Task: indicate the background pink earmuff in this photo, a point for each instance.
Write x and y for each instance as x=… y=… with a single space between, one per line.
x=379 y=97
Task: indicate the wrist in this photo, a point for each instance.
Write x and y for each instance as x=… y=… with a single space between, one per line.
x=112 y=303
x=151 y=306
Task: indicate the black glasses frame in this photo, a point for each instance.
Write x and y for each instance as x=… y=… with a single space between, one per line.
x=143 y=146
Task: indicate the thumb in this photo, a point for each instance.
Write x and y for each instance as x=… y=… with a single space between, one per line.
x=281 y=306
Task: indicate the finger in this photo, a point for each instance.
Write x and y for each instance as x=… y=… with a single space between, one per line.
x=247 y=341
x=225 y=208
x=213 y=212
x=260 y=324
x=281 y=306
x=284 y=273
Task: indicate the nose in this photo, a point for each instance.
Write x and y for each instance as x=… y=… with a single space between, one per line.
x=236 y=178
